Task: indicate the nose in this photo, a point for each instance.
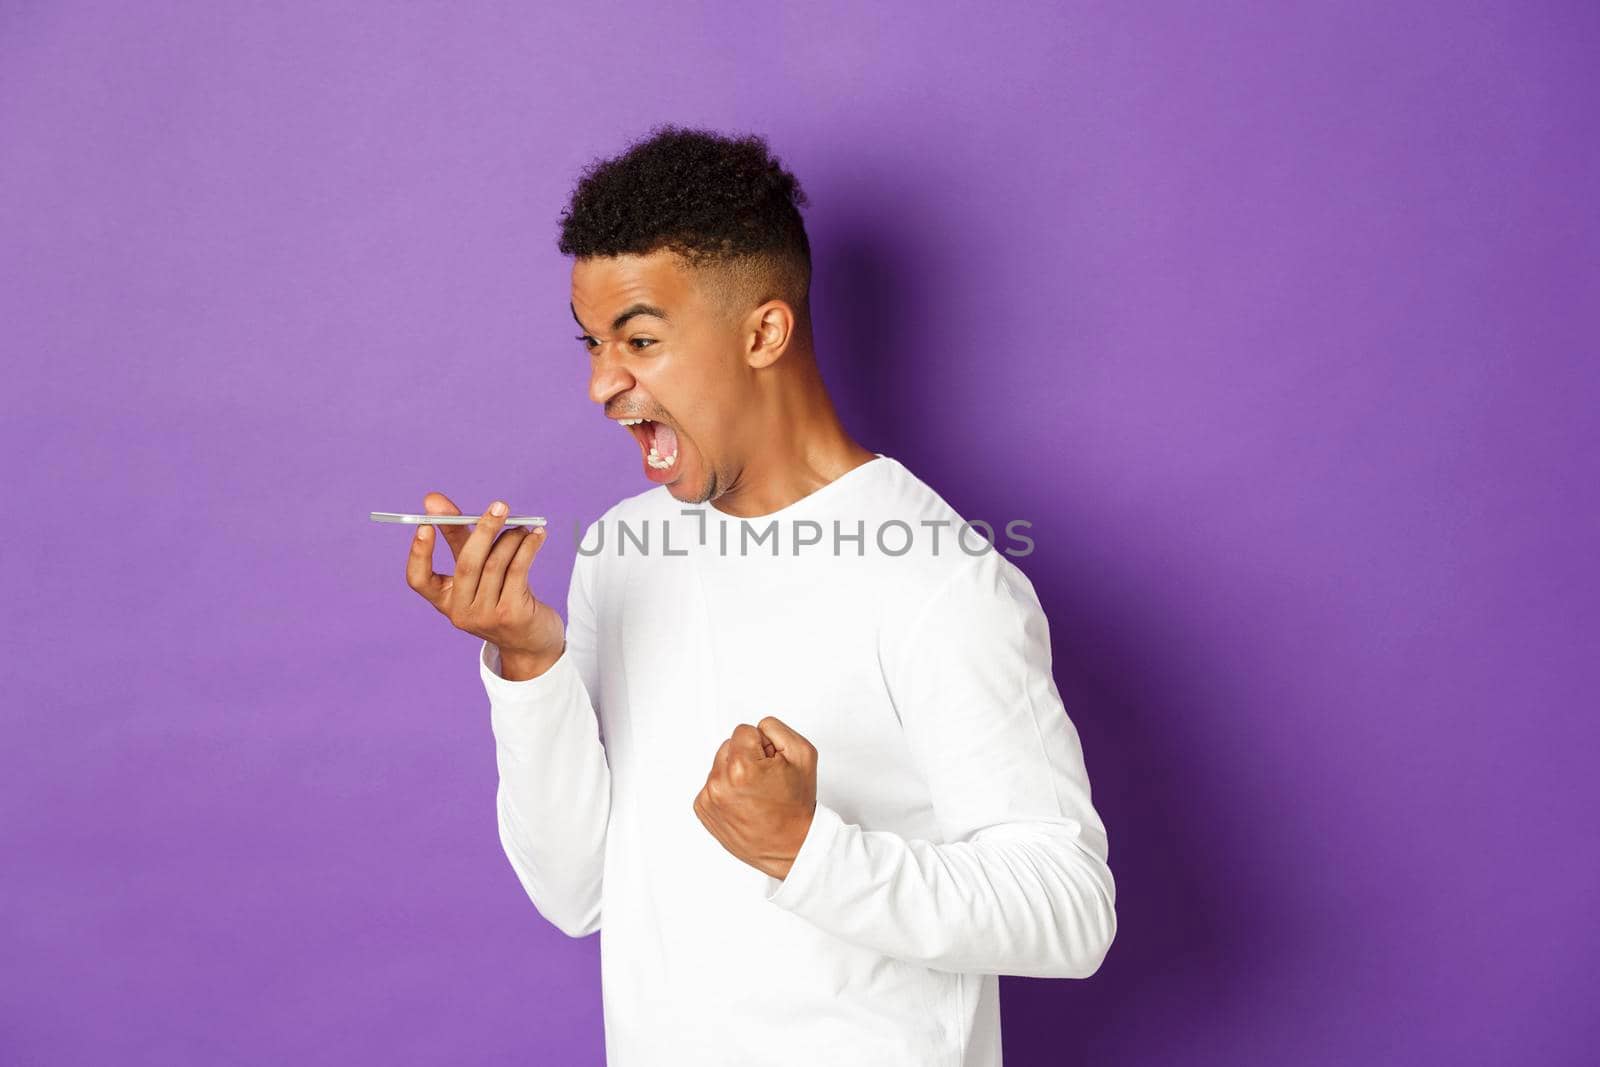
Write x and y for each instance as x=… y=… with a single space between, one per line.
x=608 y=377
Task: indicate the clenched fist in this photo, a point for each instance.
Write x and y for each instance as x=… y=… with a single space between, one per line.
x=760 y=795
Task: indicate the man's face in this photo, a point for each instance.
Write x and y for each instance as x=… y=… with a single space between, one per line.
x=673 y=359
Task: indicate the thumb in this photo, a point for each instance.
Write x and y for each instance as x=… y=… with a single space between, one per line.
x=790 y=745
x=436 y=503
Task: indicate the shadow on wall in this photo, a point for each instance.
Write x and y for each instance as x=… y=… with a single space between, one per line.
x=865 y=276
x=1199 y=930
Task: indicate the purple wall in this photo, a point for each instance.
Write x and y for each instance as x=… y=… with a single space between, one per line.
x=1280 y=328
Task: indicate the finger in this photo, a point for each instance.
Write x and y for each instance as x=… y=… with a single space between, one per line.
x=747 y=741
x=473 y=554
x=517 y=573
x=492 y=582
x=437 y=503
x=793 y=747
x=719 y=762
x=420 y=574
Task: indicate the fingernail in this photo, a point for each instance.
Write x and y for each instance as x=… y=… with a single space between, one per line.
x=497 y=508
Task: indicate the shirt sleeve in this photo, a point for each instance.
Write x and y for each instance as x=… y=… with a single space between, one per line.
x=554 y=795
x=1019 y=884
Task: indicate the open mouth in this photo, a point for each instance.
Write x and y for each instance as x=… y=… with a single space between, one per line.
x=659 y=441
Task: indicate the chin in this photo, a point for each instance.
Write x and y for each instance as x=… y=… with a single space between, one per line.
x=687 y=489
x=682 y=492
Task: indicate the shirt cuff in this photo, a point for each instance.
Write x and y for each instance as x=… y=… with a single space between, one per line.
x=529 y=690
x=811 y=862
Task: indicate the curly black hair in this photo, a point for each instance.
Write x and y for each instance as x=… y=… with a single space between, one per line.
x=722 y=203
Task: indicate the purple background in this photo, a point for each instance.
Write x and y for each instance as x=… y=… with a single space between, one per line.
x=1279 y=326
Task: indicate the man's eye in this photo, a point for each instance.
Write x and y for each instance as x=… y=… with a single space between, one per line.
x=637 y=342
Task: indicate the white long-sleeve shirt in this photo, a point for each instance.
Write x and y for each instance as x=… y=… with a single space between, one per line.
x=953 y=839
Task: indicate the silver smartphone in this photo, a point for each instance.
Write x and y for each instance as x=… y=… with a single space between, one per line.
x=454 y=520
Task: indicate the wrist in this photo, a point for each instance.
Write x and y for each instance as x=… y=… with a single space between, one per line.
x=521 y=666
x=779 y=865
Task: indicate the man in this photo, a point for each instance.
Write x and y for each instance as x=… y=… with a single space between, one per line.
x=797 y=753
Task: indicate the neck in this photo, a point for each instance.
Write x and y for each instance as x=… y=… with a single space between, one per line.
x=798 y=446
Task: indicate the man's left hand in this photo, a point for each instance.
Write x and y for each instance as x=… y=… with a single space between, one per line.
x=760 y=795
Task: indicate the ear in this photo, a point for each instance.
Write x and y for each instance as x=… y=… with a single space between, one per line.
x=769 y=330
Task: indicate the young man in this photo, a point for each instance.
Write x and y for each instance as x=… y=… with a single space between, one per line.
x=797 y=753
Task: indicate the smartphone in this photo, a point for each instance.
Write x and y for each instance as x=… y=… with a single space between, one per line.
x=454 y=520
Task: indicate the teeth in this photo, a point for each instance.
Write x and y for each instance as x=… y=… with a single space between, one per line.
x=654 y=458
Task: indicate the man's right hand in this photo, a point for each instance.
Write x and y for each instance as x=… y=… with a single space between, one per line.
x=488 y=594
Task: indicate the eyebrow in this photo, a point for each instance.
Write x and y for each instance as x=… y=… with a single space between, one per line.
x=627 y=313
